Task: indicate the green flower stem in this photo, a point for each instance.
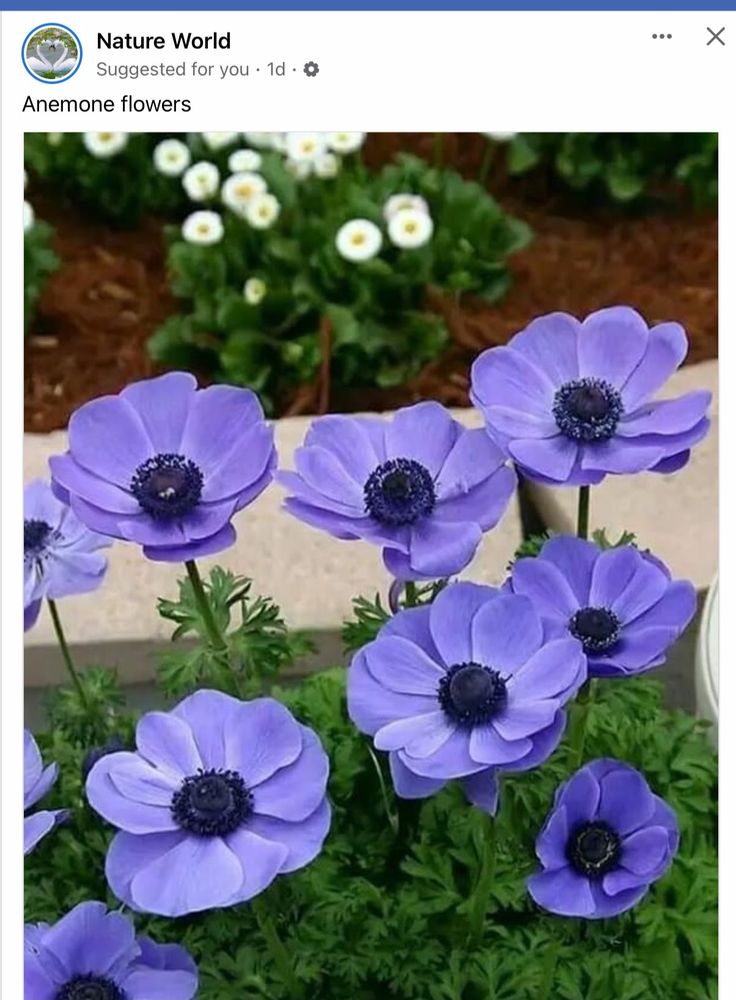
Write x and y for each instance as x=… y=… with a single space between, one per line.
x=479 y=902
x=583 y=511
x=391 y=816
x=584 y=701
x=214 y=634
x=549 y=967
x=411 y=594
x=67 y=656
x=276 y=948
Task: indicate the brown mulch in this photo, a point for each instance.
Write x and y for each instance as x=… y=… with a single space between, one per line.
x=110 y=294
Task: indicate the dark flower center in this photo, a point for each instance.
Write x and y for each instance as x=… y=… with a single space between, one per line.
x=212 y=803
x=593 y=849
x=35 y=535
x=587 y=409
x=472 y=694
x=90 y=987
x=167 y=486
x=597 y=628
x=399 y=491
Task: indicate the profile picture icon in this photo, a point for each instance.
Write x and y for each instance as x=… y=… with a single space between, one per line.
x=52 y=53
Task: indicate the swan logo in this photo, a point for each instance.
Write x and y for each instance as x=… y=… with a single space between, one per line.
x=51 y=53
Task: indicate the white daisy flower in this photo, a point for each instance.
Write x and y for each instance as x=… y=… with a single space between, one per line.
x=203 y=227
x=171 y=157
x=410 y=228
x=299 y=169
x=359 y=239
x=254 y=291
x=244 y=160
x=29 y=216
x=400 y=202
x=104 y=144
x=327 y=166
x=262 y=211
x=218 y=140
x=201 y=181
x=238 y=190
x=307 y=146
x=501 y=136
x=345 y=142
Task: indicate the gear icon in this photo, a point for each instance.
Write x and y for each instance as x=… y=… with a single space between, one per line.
x=311 y=69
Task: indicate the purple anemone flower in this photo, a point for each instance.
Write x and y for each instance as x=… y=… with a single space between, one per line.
x=606 y=840
x=419 y=485
x=463 y=687
x=91 y=954
x=571 y=401
x=167 y=465
x=622 y=604
x=60 y=554
x=221 y=797
x=37 y=781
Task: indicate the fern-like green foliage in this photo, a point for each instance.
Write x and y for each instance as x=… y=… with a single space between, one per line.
x=258 y=645
x=365 y=922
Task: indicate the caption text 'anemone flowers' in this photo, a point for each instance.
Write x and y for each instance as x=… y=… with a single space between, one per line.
x=220 y=798
x=60 y=555
x=37 y=781
x=606 y=840
x=93 y=954
x=571 y=401
x=419 y=485
x=622 y=604
x=167 y=465
x=464 y=687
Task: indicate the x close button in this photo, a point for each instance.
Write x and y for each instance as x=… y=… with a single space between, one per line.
x=715 y=36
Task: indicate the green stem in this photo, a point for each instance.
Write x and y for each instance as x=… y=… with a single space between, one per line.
x=549 y=967
x=479 y=904
x=393 y=818
x=583 y=511
x=276 y=948
x=585 y=699
x=230 y=680
x=67 y=656
x=200 y=595
x=411 y=594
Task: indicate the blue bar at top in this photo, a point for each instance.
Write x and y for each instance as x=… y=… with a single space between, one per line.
x=366 y=5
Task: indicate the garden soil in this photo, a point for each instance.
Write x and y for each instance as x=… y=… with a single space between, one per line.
x=110 y=295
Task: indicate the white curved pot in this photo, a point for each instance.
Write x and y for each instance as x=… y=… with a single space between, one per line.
x=706 y=663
